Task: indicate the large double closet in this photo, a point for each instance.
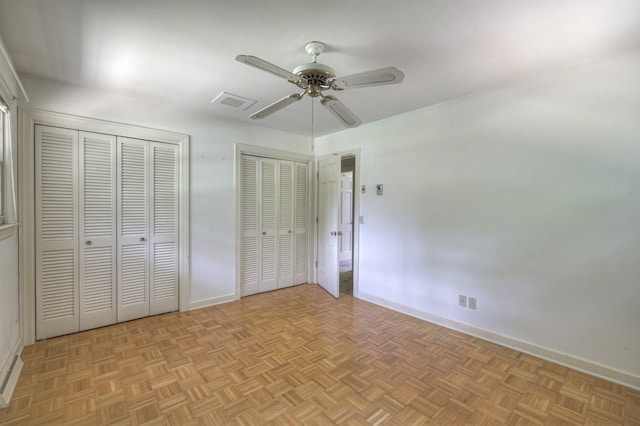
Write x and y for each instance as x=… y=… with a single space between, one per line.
x=274 y=227
x=106 y=229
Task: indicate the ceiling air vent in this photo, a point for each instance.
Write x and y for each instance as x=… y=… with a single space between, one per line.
x=233 y=101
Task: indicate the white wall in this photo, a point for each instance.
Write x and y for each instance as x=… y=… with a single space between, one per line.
x=524 y=197
x=9 y=327
x=213 y=220
x=527 y=198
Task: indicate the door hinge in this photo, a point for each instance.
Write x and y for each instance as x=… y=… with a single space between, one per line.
x=318 y=174
x=316 y=263
x=317 y=219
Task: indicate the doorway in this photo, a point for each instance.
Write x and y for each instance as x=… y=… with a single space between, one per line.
x=346 y=220
x=338 y=222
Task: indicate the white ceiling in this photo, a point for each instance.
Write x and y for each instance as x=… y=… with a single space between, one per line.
x=183 y=51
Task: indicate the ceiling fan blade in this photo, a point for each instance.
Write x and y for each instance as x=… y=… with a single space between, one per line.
x=268 y=67
x=276 y=106
x=379 y=77
x=341 y=112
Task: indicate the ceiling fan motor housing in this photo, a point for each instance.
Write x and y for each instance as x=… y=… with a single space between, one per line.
x=316 y=76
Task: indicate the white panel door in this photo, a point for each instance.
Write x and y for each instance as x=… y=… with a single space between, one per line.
x=301 y=242
x=56 y=204
x=163 y=242
x=285 y=223
x=268 y=225
x=328 y=199
x=249 y=235
x=97 y=241
x=346 y=216
x=133 y=229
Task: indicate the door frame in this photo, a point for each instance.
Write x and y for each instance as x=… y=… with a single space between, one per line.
x=27 y=120
x=276 y=154
x=356 y=153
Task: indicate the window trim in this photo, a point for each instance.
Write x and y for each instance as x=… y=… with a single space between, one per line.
x=8 y=222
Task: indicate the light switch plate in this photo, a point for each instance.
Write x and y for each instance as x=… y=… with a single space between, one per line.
x=363 y=190
x=379 y=188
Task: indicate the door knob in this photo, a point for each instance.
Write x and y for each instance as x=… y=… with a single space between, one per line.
x=142 y=239
x=289 y=230
x=333 y=232
x=264 y=232
x=87 y=243
x=339 y=232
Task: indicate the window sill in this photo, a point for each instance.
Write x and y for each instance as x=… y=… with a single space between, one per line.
x=7 y=230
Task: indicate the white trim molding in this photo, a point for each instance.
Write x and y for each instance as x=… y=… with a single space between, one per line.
x=10 y=76
x=28 y=118
x=7 y=230
x=205 y=303
x=569 y=361
x=10 y=373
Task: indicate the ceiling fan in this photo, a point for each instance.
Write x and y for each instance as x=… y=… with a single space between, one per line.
x=315 y=78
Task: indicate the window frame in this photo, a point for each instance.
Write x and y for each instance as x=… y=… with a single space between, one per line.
x=4 y=117
x=7 y=172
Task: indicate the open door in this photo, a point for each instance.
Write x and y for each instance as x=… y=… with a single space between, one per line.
x=346 y=216
x=328 y=202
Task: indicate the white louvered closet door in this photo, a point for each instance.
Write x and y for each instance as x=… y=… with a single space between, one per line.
x=301 y=242
x=163 y=244
x=133 y=229
x=268 y=225
x=97 y=239
x=249 y=238
x=56 y=201
x=285 y=223
x=274 y=220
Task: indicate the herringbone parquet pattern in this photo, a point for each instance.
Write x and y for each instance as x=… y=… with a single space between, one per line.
x=298 y=356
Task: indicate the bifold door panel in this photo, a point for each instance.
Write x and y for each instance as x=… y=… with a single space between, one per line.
x=274 y=229
x=106 y=229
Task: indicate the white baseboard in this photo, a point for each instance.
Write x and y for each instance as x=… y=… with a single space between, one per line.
x=205 y=303
x=10 y=374
x=570 y=361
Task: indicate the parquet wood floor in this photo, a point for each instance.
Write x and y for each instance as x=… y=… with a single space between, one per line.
x=298 y=356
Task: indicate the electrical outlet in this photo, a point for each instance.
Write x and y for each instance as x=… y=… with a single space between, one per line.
x=472 y=303
x=462 y=301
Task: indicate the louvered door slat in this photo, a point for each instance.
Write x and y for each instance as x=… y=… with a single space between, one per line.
x=164 y=226
x=285 y=223
x=56 y=200
x=133 y=186
x=249 y=211
x=165 y=279
x=268 y=225
x=58 y=285
x=301 y=243
x=133 y=229
x=97 y=230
